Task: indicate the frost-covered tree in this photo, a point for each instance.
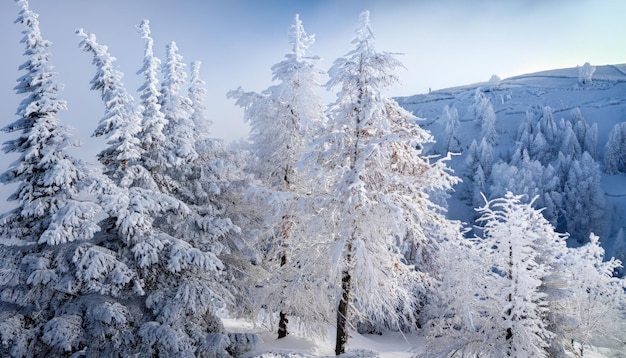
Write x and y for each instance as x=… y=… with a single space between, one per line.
x=472 y=162
x=153 y=142
x=485 y=116
x=478 y=166
x=538 y=135
x=583 y=199
x=548 y=126
x=514 y=236
x=196 y=94
x=121 y=122
x=57 y=286
x=587 y=135
x=281 y=119
x=378 y=182
x=455 y=323
x=523 y=178
x=496 y=304
x=282 y=116
x=530 y=178
x=615 y=150
x=593 y=311
x=585 y=72
x=480 y=185
x=451 y=140
x=46 y=175
x=486 y=156
x=177 y=281
x=177 y=109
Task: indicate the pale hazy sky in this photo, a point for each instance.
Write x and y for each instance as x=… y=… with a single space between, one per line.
x=445 y=43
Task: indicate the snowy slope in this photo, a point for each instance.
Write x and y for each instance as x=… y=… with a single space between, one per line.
x=603 y=102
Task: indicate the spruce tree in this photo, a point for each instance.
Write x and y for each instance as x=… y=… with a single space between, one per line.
x=59 y=287
x=177 y=278
x=177 y=110
x=153 y=141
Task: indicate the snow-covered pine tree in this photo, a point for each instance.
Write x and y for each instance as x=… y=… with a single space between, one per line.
x=452 y=142
x=455 y=321
x=495 y=304
x=177 y=280
x=153 y=142
x=583 y=199
x=485 y=116
x=514 y=241
x=478 y=166
x=593 y=311
x=213 y=188
x=121 y=122
x=615 y=150
x=370 y=160
x=177 y=110
x=58 y=288
x=587 y=135
x=196 y=93
x=523 y=178
x=471 y=165
x=281 y=116
x=538 y=135
x=548 y=127
x=281 y=119
x=570 y=146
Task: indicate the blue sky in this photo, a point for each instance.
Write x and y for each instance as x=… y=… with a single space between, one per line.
x=444 y=43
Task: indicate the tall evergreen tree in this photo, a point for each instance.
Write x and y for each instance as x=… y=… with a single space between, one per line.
x=196 y=94
x=583 y=199
x=57 y=286
x=371 y=160
x=452 y=141
x=516 y=271
x=485 y=116
x=177 y=109
x=592 y=313
x=153 y=141
x=615 y=150
x=121 y=122
x=282 y=119
x=177 y=278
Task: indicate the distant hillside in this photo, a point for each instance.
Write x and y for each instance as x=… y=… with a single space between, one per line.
x=601 y=102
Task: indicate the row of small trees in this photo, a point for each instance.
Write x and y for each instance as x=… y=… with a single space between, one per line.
x=136 y=255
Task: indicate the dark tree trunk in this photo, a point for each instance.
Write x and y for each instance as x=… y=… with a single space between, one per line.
x=282 y=323
x=342 y=314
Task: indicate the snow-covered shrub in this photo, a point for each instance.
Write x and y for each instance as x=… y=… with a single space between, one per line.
x=585 y=72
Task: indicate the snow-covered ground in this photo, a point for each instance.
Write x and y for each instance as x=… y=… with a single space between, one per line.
x=391 y=345
x=387 y=345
